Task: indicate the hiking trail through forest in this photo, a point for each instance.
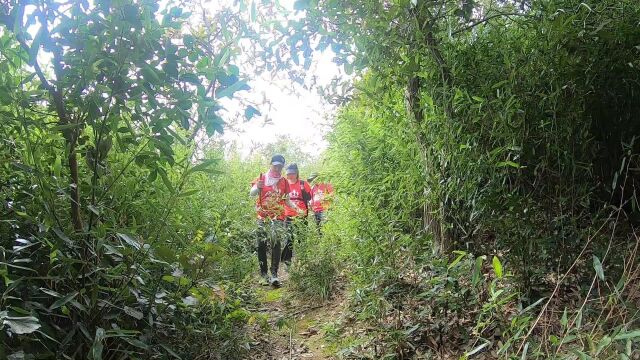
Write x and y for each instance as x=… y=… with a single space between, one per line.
x=292 y=328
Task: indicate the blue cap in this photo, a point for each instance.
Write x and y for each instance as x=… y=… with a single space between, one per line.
x=292 y=168
x=277 y=160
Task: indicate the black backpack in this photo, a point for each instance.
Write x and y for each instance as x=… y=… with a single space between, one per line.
x=306 y=197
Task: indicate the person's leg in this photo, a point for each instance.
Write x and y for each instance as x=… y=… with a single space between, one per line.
x=319 y=220
x=261 y=237
x=299 y=234
x=287 y=251
x=278 y=233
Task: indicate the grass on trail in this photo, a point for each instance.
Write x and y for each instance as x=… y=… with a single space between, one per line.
x=295 y=328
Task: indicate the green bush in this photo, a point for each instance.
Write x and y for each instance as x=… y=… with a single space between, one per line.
x=314 y=271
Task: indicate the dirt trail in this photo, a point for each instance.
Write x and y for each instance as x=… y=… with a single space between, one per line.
x=290 y=328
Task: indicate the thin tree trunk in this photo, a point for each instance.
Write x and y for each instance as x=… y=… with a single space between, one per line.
x=64 y=117
x=430 y=215
x=76 y=217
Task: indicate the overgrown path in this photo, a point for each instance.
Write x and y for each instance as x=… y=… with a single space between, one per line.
x=291 y=328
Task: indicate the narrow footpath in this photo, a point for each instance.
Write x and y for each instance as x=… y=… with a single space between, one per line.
x=290 y=328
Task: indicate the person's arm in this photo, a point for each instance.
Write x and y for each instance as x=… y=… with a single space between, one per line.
x=292 y=205
x=257 y=186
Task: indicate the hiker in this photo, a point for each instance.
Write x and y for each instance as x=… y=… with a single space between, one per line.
x=300 y=194
x=321 y=194
x=272 y=192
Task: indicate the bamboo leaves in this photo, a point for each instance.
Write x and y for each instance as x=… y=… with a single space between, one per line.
x=497 y=267
x=19 y=325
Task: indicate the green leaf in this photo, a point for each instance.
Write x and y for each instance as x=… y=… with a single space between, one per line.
x=603 y=343
x=171 y=352
x=627 y=335
x=51 y=292
x=204 y=166
x=150 y=75
x=189 y=41
x=477 y=269
x=165 y=253
x=129 y=240
x=532 y=305
x=152 y=176
x=137 y=343
x=62 y=236
x=348 y=68
x=214 y=123
x=524 y=351
x=164 y=148
x=189 y=193
x=508 y=163
x=250 y=112
x=497 y=267
x=97 y=347
x=597 y=265
x=57 y=166
x=35 y=45
x=232 y=89
x=93 y=209
x=582 y=355
x=579 y=319
x=478 y=349
x=621 y=283
x=62 y=301
x=190 y=78
x=136 y=314
x=460 y=254
x=66 y=127
x=20 y=325
x=165 y=179
x=564 y=320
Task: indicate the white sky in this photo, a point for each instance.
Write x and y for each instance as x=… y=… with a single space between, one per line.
x=295 y=112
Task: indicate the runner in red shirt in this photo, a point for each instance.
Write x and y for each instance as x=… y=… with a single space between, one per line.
x=300 y=194
x=321 y=195
x=272 y=191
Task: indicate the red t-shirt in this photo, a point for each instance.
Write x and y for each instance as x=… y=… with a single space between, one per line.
x=271 y=199
x=320 y=196
x=295 y=195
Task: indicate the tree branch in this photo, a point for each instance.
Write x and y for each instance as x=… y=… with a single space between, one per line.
x=70 y=135
x=482 y=21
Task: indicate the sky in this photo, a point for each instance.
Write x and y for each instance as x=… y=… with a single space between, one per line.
x=295 y=112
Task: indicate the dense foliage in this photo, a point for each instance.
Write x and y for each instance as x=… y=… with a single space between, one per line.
x=506 y=130
x=110 y=247
x=485 y=157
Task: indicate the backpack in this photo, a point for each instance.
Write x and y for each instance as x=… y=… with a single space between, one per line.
x=306 y=197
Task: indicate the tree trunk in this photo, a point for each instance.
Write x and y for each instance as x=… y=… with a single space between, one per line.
x=70 y=135
x=432 y=212
x=76 y=217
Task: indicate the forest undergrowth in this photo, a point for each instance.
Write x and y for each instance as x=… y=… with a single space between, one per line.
x=485 y=156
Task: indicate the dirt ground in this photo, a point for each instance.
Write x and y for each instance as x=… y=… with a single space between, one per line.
x=290 y=328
